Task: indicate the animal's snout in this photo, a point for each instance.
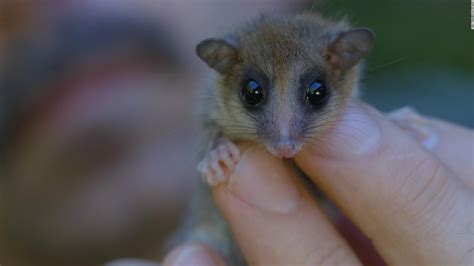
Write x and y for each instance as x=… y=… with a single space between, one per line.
x=284 y=149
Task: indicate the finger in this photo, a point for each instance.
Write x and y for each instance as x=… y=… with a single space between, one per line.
x=453 y=145
x=359 y=242
x=400 y=195
x=192 y=254
x=273 y=219
x=456 y=149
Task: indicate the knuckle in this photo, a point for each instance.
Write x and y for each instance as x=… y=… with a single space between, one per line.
x=429 y=192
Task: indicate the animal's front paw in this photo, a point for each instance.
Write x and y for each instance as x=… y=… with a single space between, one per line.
x=218 y=164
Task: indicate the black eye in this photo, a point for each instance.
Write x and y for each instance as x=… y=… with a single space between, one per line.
x=316 y=94
x=252 y=93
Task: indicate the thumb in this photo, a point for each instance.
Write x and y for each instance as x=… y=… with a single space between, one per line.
x=400 y=195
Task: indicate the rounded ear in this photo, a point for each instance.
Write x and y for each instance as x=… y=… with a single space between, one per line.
x=349 y=47
x=217 y=54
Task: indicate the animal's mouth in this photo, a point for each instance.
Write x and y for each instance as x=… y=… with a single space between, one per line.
x=284 y=149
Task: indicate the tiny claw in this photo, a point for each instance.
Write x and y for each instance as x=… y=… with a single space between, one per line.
x=234 y=151
x=226 y=157
x=218 y=164
x=215 y=163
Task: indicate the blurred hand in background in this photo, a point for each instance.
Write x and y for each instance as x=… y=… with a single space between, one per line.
x=99 y=123
x=98 y=120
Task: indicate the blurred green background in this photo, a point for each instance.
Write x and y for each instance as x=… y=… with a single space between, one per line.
x=99 y=102
x=423 y=54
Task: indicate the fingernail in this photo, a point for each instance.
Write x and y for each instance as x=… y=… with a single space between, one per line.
x=357 y=133
x=193 y=255
x=265 y=182
x=410 y=121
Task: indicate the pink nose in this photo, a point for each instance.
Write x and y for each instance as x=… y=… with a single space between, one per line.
x=284 y=149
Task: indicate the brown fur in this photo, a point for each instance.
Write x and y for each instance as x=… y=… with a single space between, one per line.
x=283 y=54
x=282 y=49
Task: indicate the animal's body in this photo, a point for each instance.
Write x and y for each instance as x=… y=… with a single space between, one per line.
x=280 y=82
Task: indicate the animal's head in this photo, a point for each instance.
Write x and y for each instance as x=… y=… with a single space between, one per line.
x=281 y=80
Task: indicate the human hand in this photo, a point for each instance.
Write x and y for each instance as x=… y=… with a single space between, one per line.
x=410 y=190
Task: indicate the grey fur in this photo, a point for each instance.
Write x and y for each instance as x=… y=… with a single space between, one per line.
x=278 y=51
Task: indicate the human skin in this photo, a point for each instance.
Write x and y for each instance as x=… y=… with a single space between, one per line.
x=414 y=202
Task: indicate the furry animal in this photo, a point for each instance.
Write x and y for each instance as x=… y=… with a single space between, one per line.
x=280 y=82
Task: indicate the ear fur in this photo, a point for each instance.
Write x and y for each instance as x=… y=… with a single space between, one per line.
x=349 y=47
x=217 y=54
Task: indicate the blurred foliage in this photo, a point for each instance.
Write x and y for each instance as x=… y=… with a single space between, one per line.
x=427 y=32
x=423 y=54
